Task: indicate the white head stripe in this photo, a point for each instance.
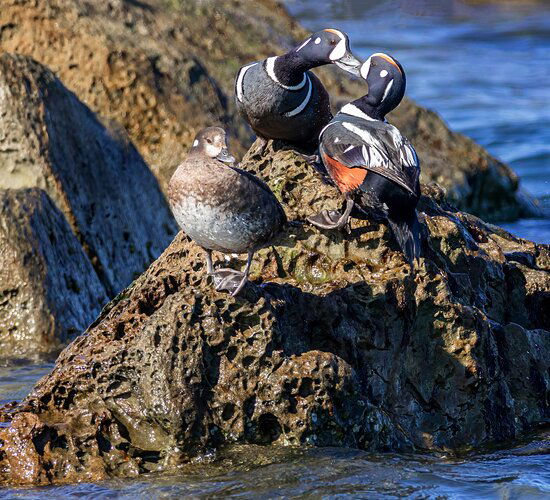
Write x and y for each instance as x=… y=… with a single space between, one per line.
x=240 y=78
x=339 y=51
x=387 y=91
x=365 y=68
x=351 y=109
x=304 y=103
x=270 y=68
x=383 y=73
x=303 y=44
x=195 y=142
x=337 y=32
x=317 y=41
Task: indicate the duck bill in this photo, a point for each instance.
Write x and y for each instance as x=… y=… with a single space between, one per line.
x=349 y=63
x=225 y=156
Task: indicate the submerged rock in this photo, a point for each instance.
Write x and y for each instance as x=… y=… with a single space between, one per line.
x=49 y=291
x=96 y=177
x=335 y=343
x=164 y=70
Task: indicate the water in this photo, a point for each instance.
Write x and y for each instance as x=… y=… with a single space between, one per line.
x=523 y=472
x=520 y=471
x=485 y=70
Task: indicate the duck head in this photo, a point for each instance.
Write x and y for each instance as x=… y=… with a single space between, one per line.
x=325 y=47
x=212 y=142
x=386 y=80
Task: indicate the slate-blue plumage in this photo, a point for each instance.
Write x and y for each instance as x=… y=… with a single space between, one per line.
x=281 y=99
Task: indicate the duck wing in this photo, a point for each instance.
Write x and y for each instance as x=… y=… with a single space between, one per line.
x=375 y=146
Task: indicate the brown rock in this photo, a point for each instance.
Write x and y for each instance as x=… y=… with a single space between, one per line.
x=51 y=140
x=49 y=291
x=340 y=346
x=163 y=70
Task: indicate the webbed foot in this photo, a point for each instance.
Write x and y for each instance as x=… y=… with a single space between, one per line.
x=229 y=280
x=330 y=219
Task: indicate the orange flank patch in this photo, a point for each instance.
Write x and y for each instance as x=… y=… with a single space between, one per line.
x=347 y=179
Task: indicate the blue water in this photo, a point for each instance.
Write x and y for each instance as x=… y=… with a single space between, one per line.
x=485 y=70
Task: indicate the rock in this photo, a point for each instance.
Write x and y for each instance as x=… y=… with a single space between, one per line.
x=50 y=140
x=49 y=291
x=335 y=343
x=163 y=70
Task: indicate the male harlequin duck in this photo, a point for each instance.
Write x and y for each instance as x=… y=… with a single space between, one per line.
x=222 y=207
x=281 y=99
x=368 y=159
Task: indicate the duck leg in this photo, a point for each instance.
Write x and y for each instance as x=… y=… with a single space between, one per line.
x=262 y=145
x=209 y=265
x=332 y=219
x=231 y=280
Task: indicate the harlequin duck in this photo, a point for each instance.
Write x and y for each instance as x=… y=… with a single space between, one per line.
x=222 y=207
x=281 y=99
x=372 y=164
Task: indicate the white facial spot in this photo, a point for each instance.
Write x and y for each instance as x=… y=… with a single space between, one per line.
x=317 y=41
x=339 y=51
x=337 y=139
x=365 y=68
x=383 y=73
x=195 y=143
x=303 y=44
x=212 y=150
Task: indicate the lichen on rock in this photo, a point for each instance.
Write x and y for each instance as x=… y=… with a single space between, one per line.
x=334 y=343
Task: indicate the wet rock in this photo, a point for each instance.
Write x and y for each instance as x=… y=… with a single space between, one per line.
x=163 y=70
x=49 y=291
x=95 y=176
x=334 y=343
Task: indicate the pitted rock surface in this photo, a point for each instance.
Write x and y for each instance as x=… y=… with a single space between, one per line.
x=334 y=343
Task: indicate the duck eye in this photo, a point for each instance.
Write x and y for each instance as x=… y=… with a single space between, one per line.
x=209 y=141
x=333 y=42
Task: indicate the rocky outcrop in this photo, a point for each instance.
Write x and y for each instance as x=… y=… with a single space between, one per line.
x=42 y=304
x=163 y=70
x=335 y=343
x=50 y=140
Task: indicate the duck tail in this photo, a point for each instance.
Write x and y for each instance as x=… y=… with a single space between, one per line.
x=407 y=231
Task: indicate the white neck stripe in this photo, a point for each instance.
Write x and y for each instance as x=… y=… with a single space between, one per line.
x=351 y=109
x=270 y=69
x=304 y=103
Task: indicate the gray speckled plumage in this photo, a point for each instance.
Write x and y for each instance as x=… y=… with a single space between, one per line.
x=264 y=104
x=222 y=207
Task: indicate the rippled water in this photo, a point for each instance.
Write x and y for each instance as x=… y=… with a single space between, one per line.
x=485 y=70
x=521 y=471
